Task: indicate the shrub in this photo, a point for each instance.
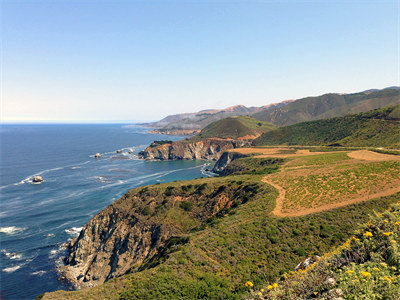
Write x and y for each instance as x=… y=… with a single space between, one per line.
x=186 y=205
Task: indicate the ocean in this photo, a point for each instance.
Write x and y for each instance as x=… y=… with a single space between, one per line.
x=37 y=219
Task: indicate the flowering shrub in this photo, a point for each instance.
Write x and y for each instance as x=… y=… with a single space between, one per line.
x=366 y=266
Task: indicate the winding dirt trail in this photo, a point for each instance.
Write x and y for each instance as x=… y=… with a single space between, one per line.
x=360 y=155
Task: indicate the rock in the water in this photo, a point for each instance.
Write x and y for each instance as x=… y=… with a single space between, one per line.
x=130 y=150
x=97 y=155
x=37 y=179
x=119 y=151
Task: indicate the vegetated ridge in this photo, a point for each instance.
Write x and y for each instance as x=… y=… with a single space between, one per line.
x=379 y=127
x=329 y=106
x=243 y=127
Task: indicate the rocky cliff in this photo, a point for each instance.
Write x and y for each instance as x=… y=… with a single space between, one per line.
x=224 y=161
x=208 y=149
x=137 y=230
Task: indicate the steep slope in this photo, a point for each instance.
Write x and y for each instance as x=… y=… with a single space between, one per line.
x=242 y=127
x=378 y=127
x=329 y=106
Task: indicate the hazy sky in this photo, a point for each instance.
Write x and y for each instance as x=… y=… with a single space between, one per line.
x=141 y=60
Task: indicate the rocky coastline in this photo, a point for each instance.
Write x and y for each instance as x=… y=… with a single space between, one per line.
x=206 y=149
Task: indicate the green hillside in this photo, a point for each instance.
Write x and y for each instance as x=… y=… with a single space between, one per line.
x=329 y=106
x=364 y=267
x=235 y=127
x=378 y=127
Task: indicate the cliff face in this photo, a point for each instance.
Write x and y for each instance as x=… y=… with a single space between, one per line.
x=135 y=231
x=224 y=161
x=115 y=240
x=208 y=149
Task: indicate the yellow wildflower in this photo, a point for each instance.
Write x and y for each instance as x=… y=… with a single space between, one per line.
x=386 y=221
x=376 y=269
x=393 y=241
x=248 y=284
x=349 y=271
x=368 y=234
x=262 y=290
x=365 y=274
x=397 y=223
x=260 y=293
x=275 y=285
x=270 y=287
x=387 y=279
x=387 y=233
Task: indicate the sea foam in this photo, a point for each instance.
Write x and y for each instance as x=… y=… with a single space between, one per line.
x=10 y=230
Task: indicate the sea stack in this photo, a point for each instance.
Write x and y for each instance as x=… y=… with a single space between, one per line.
x=119 y=151
x=37 y=179
x=130 y=150
x=97 y=155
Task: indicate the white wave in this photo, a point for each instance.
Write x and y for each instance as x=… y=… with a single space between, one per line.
x=12 y=255
x=29 y=178
x=12 y=269
x=55 y=252
x=74 y=231
x=74 y=168
x=50 y=235
x=39 y=273
x=10 y=230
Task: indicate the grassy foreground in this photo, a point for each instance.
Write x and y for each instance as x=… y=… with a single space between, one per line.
x=213 y=258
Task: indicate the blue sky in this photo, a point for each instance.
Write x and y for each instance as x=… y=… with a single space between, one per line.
x=142 y=60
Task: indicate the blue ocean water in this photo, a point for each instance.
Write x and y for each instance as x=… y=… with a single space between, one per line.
x=36 y=219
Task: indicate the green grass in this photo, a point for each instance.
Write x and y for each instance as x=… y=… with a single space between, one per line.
x=322 y=159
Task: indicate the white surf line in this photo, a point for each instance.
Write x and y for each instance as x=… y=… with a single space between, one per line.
x=29 y=178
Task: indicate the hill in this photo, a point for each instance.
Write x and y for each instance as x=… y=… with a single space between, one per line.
x=378 y=128
x=196 y=121
x=329 y=106
x=205 y=238
x=242 y=127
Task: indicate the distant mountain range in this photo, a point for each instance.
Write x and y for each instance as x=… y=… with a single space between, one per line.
x=198 y=120
x=284 y=113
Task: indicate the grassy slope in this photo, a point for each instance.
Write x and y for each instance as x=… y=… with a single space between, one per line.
x=367 y=266
x=235 y=127
x=328 y=106
x=374 y=128
x=214 y=258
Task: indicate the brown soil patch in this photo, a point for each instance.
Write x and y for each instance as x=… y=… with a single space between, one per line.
x=372 y=156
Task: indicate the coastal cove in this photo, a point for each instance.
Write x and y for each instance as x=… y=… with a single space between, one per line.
x=37 y=219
